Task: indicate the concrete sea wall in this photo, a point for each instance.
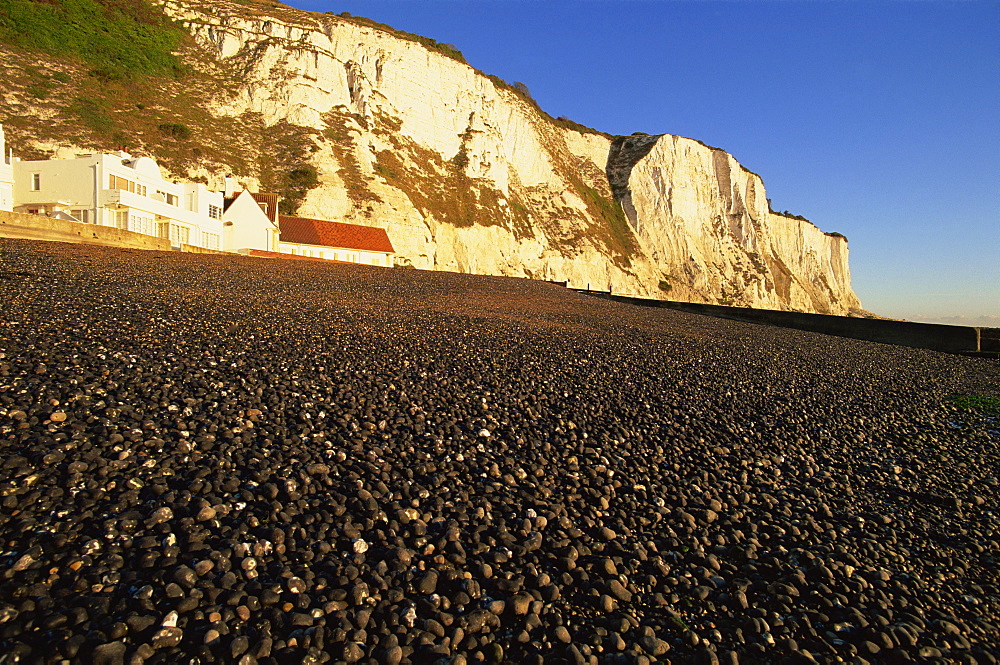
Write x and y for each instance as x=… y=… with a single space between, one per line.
x=39 y=227
x=936 y=337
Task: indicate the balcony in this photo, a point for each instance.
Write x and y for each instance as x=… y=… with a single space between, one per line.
x=152 y=206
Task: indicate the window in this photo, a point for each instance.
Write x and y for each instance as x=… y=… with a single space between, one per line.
x=121 y=219
x=83 y=215
x=263 y=206
x=179 y=235
x=36 y=182
x=215 y=212
x=114 y=182
x=144 y=225
x=210 y=240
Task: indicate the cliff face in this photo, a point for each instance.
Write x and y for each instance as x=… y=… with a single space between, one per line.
x=466 y=175
x=705 y=221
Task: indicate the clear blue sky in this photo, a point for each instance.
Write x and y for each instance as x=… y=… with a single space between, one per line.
x=880 y=120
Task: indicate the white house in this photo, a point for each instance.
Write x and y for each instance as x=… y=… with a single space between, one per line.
x=249 y=221
x=6 y=174
x=338 y=241
x=121 y=191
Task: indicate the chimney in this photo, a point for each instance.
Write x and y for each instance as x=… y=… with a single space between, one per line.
x=232 y=187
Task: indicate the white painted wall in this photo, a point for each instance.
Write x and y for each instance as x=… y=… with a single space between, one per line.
x=245 y=226
x=6 y=174
x=337 y=254
x=121 y=191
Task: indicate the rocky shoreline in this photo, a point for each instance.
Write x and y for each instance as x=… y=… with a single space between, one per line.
x=223 y=459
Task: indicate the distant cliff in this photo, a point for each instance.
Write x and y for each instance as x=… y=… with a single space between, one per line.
x=357 y=122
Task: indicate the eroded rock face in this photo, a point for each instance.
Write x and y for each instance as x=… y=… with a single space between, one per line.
x=706 y=223
x=466 y=175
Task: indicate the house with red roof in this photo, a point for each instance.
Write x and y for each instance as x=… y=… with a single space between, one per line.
x=249 y=221
x=337 y=241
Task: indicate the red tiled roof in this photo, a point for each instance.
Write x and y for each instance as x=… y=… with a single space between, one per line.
x=272 y=204
x=334 y=234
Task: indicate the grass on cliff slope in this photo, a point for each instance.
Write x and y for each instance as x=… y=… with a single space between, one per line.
x=611 y=226
x=442 y=189
x=118 y=38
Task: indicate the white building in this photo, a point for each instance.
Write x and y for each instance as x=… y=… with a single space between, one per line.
x=121 y=191
x=6 y=174
x=337 y=241
x=249 y=221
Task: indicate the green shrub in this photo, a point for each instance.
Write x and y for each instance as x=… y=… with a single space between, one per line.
x=297 y=183
x=789 y=215
x=303 y=177
x=175 y=130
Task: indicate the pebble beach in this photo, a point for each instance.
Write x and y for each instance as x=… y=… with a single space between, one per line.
x=221 y=459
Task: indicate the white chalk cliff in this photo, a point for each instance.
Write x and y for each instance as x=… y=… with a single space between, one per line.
x=467 y=175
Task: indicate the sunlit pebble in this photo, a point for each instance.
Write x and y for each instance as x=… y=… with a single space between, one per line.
x=248 y=461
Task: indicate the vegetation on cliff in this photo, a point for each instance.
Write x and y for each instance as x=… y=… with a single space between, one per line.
x=121 y=39
x=441 y=189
